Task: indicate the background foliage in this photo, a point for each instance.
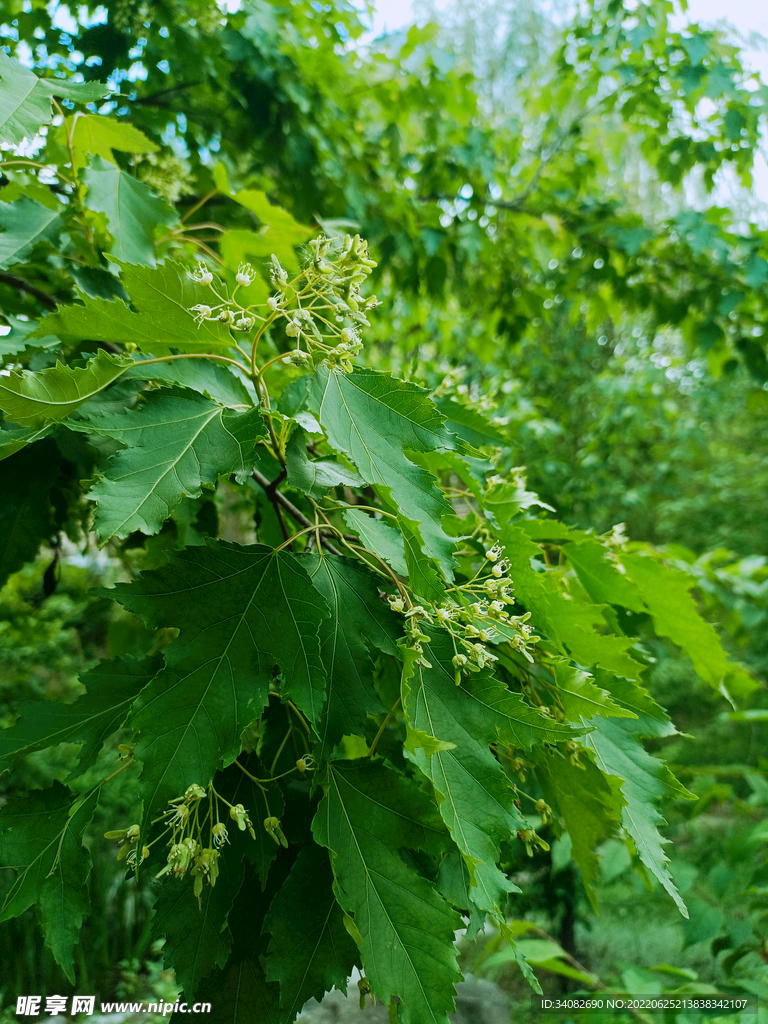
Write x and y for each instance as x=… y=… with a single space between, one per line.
x=557 y=265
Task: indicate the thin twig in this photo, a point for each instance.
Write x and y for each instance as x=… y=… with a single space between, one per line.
x=278 y=497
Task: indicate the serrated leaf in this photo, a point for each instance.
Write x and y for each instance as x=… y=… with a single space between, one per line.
x=569 y=624
x=600 y=576
x=359 y=624
x=31 y=399
x=368 y=813
x=23 y=224
x=26 y=516
x=314 y=477
x=240 y=611
x=176 y=444
x=581 y=698
x=40 y=838
x=475 y=797
x=588 y=801
x=209 y=378
x=504 y=500
x=112 y=688
x=675 y=615
x=310 y=950
x=469 y=424
x=162 y=296
x=645 y=782
x=91 y=133
x=25 y=99
x=374 y=418
x=383 y=540
x=132 y=209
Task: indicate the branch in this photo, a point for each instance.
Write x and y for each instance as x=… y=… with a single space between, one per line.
x=17 y=282
x=277 y=497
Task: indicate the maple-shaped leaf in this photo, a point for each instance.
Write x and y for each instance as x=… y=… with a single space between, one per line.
x=666 y=593
x=374 y=419
x=23 y=223
x=645 y=782
x=367 y=814
x=112 y=686
x=176 y=444
x=240 y=611
x=32 y=399
x=570 y=624
x=132 y=209
x=310 y=950
x=99 y=136
x=162 y=297
x=588 y=801
x=40 y=838
x=25 y=99
x=475 y=797
x=359 y=623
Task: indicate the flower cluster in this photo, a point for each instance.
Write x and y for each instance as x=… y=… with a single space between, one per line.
x=322 y=308
x=476 y=617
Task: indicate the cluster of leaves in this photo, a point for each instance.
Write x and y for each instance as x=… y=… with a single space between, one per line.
x=517 y=211
x=403 y=647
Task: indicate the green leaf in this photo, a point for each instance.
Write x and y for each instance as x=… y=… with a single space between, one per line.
x=112 y=688
x=569 y=624
x=26 y=516
x=600 y=576
x=177 y=444
x=240 y=611
x=310 y=950
x=25 y=99
x=132 y=210
x=23 y=224
x=162 y=324
x=504 y=500
x=31 y=399
x=12 y=441
x=315 y=478
x=675 y=615
x=514 y=722
x=359 y=623
x=197 y=938
x=475 y=797
x=645 y=781
x=581 y=698
x=367 y=814
x=40 y=838
x=588 y=801
x=383 y=540
x=19 y=337
x=91 y=133
x=469 y=424
x=374 y=419
x=212 y=379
